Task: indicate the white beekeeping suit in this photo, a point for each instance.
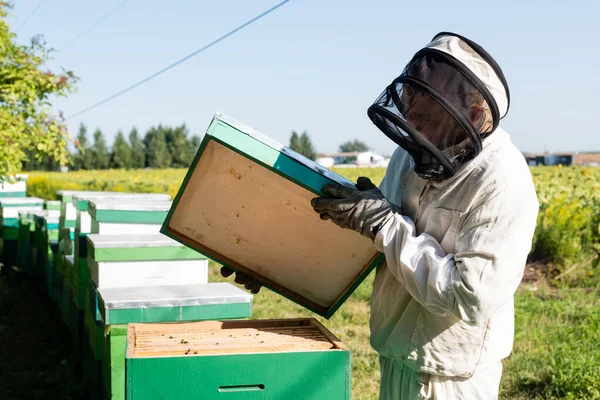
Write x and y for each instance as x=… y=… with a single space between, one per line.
x=443 y=304
x=454 y=216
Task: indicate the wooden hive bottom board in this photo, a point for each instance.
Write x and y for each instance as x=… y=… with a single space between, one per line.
x=279 y=359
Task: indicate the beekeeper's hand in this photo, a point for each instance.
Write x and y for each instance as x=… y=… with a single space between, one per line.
x=363 y=209
x=249 y=283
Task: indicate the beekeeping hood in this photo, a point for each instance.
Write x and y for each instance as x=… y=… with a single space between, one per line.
x=450 y=96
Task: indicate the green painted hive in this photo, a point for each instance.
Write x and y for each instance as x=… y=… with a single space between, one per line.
x=68 y=213
x=25 y=237
x=46 y=229
x=245 y=202
x=66 y=293
x=17 y=188
x=10 y=207
x=53 y=208
x=143 y=260
x=127 y=211
x=271 y=359
x=218 y=300
x=120 y=306
x=81 y=204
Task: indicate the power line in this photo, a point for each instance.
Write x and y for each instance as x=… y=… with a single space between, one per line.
x=162 y=71
x=105 y=16
x=35 y=10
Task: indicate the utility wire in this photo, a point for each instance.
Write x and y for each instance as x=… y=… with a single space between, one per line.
x=105 y=16
x=162 y=71
x=35 y=10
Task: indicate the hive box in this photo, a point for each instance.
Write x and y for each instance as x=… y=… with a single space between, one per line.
x=9 y=225
x=84 y=226
x=121 y=216
x=68 y=212
x=143 y=260
x=53 y=208
x=14 y=189
x=46 y=228
x=286 y=359
x=25 y=233
x=160 y=304
x=245 y=202
x=81 y=204
x=218 y=300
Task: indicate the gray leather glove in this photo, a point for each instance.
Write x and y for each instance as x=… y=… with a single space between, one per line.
x=363 y=209
x=249 y=283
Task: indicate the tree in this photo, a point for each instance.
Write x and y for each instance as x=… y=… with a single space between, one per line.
x=302 y=144
x=83 y=158
x=353 y=145
x=195 y=143
x=157 y=151
x=138 y=153
x=121 y=152
x=308 y=149
x=100 y=154
x=28 y=126
x=179 y=146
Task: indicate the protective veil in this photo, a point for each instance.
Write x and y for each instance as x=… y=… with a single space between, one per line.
x=449 y=97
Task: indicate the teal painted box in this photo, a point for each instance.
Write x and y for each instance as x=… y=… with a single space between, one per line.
x=16 y=188
x=46 y=229
x=143 y=260
x=10 y=207
x=124 y=216
x=270 y=359
x=245 y=202
x=26 y=228
x=120 y=306
x=81 y=204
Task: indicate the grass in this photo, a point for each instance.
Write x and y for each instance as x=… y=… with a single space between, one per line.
x=557 y=340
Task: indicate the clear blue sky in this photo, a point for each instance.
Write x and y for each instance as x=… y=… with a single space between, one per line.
x=317 y=65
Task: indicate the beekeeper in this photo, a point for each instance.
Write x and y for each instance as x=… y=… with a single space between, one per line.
x=454 y=215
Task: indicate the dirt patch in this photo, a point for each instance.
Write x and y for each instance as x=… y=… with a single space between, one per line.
x=34 y=361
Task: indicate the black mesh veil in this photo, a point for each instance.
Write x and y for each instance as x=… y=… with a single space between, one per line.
x=438 y=111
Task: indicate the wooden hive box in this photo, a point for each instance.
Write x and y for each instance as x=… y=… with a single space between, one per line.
x=83 y=226
x=67 y=292
x=116 y=216
x=270 y=359
x=120 y=306
x=46 y=229
x=53 y=208
x=68 y=212
x=25 y=239
x=245 y=202
x=9 y=225
x=15 y=189
x=143 y=260
x=81 y=204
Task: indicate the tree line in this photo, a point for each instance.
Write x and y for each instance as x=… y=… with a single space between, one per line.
x=161 y=147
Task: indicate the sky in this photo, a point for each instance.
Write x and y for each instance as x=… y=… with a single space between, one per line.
x=314 y=65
